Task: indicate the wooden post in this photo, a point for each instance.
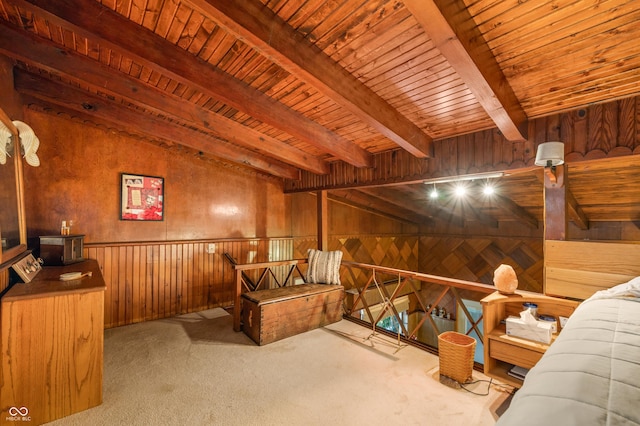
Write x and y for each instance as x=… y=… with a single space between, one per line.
x=237 y=302
x=555 y=205
x=323 y=221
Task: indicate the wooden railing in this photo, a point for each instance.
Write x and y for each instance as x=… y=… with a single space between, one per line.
x=407 y=285
x=363 y=278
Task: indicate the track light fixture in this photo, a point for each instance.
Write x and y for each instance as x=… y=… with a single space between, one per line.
x=475 y=176
x=460 y=189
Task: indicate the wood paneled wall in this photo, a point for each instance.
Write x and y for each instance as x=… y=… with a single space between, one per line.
x=148 y=281
x=394 y=251
x=79 y=179
x=475 y=258
x=171 y=273
x=602 y=130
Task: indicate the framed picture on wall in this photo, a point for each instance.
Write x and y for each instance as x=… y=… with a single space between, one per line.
x=141 y=197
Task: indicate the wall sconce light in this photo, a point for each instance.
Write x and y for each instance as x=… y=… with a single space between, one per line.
x=550 y=155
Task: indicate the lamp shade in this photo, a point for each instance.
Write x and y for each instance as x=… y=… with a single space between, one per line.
x=550 y=154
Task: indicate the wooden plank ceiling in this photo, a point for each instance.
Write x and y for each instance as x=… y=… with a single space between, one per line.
x=280 y=86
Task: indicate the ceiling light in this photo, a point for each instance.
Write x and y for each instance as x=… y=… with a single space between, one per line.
x=433 y=193
x=460 y=190
x=488 y=190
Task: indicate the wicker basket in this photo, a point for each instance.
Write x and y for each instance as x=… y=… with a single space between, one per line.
x=456 y=355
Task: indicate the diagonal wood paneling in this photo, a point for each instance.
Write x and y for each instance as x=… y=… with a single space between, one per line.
x=399 y=252
x=475 y=259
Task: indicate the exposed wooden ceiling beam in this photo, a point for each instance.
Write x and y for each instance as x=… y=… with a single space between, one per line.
x=461 y=212
x=46 y=55
x=512 y=207
x=453 y=31
x=449 y=208
x=396 y=202
x=104 y=109
x=410 y=198
x=509 y=206
x=368 y=204
x=101 y=24
x=258 y=26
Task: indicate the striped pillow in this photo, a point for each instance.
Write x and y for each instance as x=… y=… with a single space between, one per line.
x=324 y=266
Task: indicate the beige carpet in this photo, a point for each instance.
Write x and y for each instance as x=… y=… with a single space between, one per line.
x=194 y=370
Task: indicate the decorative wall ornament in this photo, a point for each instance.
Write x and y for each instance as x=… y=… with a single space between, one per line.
x=28 y=140
x=30 y=143
x=5 y=142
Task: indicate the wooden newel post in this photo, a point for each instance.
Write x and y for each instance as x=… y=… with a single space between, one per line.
x=555 y=204
x=237 y=313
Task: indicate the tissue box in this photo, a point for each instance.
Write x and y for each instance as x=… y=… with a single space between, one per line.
x=539 y=331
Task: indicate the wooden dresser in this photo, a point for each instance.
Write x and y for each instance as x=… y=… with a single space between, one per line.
x=52 y=345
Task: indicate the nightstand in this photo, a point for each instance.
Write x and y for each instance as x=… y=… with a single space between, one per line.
x=502 y=352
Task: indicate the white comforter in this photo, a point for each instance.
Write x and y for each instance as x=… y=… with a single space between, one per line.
x=591 y=374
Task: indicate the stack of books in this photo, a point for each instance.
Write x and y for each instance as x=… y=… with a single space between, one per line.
x=518 y=372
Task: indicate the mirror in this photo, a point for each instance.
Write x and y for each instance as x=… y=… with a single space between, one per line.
x=12 y=222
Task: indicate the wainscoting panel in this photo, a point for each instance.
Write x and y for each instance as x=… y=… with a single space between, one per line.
x=152 y=280
x=147 y=281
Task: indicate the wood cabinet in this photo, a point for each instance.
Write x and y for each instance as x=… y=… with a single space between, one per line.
x=501 y=352
x=52 y=345
x=58 y=250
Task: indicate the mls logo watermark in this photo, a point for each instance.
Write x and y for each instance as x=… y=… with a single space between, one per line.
x=20 y=414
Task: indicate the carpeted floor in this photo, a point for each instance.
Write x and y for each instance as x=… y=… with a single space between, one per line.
x=195 y=370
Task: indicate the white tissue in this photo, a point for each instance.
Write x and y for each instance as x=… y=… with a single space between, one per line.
x=527 y=317
x=528 y=327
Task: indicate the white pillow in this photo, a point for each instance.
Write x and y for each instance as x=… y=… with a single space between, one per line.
x=324 y=266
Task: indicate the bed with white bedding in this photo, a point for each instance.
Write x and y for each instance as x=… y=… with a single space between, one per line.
x=591 y=374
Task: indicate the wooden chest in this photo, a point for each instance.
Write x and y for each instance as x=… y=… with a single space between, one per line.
x=274 y=314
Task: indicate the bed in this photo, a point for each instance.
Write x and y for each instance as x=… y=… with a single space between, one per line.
x=591 y=374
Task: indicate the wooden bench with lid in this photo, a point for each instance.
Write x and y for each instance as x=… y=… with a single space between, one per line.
x=274 y=314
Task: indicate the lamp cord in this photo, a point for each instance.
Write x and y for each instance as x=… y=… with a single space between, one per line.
x=489 y=383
